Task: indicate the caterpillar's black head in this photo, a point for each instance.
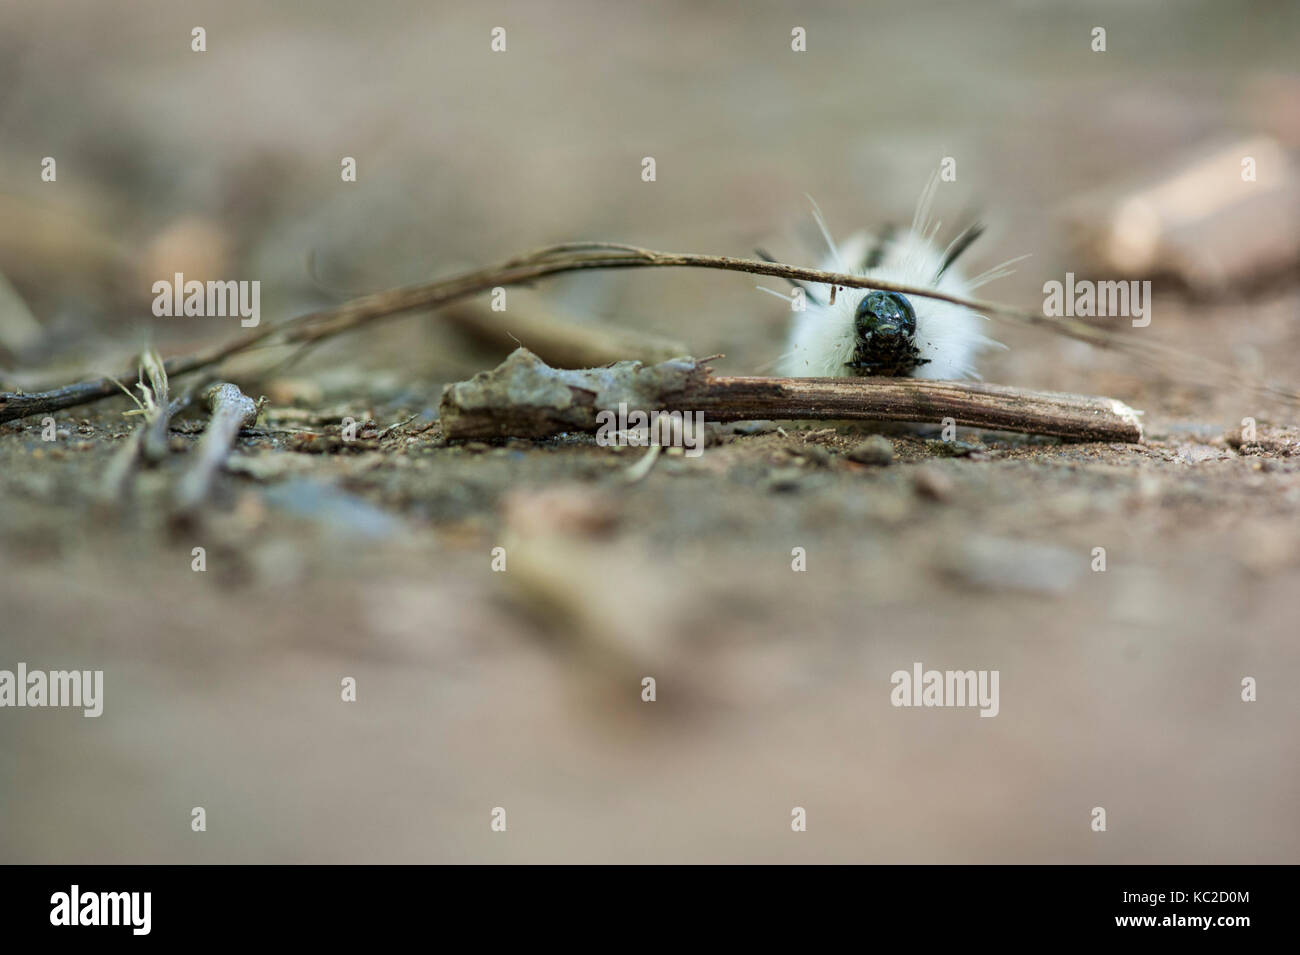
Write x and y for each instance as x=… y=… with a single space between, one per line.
x=885 y=329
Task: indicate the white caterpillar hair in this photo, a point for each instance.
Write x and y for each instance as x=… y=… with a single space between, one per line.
x=824 y=336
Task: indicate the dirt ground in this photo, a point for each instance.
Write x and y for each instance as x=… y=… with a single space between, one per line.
x=479 y=688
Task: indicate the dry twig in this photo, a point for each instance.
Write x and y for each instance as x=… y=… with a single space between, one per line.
x=524 y=397
x=232 y=411
x=559 y=340
x=574 y=257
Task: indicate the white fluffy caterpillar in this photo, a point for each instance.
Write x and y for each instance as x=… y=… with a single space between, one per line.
x=868 y=332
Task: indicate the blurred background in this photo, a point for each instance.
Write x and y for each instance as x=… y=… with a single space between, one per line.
x=522 y=690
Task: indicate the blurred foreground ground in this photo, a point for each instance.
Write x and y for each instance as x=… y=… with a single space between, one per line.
x=522 y=689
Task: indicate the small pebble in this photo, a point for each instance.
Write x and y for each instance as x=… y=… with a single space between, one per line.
x=932 y=484
x=784 y=480
x=877 y=450
x=815 y=454
x=573 y=509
